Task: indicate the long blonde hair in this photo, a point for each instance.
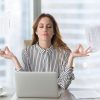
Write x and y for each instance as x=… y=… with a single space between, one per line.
x=56 y=39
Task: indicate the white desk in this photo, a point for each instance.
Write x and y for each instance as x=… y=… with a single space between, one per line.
x=65 y=95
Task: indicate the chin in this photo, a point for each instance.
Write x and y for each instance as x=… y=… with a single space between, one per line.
x=46 y=39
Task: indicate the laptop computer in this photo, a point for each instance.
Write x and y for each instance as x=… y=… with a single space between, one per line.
x=36 y=84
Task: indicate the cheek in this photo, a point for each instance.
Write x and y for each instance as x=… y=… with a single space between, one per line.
x=51 y=35
x=39 y=30
x=38 y=33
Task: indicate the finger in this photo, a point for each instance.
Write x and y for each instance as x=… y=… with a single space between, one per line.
x=1 y=52
x=79 y=46
x=6 y=48
x=88 y=50
x=80 y=49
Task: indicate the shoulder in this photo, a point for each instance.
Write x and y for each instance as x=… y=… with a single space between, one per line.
x=63 y=52
x=27 y=50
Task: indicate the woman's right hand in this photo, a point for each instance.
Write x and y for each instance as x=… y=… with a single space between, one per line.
x=6 y=53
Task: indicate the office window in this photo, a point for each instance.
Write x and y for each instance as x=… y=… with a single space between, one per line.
x=75 y=17
x=16 y=17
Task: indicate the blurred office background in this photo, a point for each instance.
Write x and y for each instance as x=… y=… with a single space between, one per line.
x=78 y=20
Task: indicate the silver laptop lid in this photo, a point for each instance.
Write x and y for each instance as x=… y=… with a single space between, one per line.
x=36 y=84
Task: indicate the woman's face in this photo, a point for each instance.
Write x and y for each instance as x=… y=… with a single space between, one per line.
x=45 y=29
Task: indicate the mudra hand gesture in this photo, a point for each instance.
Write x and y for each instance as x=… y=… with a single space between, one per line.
x=81 y=52
x=6 y=53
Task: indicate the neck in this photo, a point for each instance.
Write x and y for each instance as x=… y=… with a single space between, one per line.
x=44 y=44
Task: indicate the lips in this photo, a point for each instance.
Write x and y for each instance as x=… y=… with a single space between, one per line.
x=45 y=34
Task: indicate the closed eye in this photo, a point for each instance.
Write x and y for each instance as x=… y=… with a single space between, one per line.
x=40 y=26
x=49 y=27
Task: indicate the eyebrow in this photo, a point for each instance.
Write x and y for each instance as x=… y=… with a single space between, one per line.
x=47 y=24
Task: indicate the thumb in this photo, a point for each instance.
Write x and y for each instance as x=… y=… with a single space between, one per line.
x=7 y=49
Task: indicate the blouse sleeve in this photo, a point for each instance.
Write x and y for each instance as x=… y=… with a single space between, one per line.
x=65 y=73
x=25 y=58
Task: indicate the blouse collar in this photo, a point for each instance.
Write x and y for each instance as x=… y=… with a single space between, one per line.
x=42 y=50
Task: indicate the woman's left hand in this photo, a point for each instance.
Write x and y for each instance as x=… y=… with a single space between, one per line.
x=81 y=52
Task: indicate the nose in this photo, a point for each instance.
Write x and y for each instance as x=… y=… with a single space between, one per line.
x=45 y=29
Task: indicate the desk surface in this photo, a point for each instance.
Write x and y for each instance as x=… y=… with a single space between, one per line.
x=65 y=95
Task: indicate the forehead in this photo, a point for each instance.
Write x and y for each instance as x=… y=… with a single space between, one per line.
x=45 y=20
